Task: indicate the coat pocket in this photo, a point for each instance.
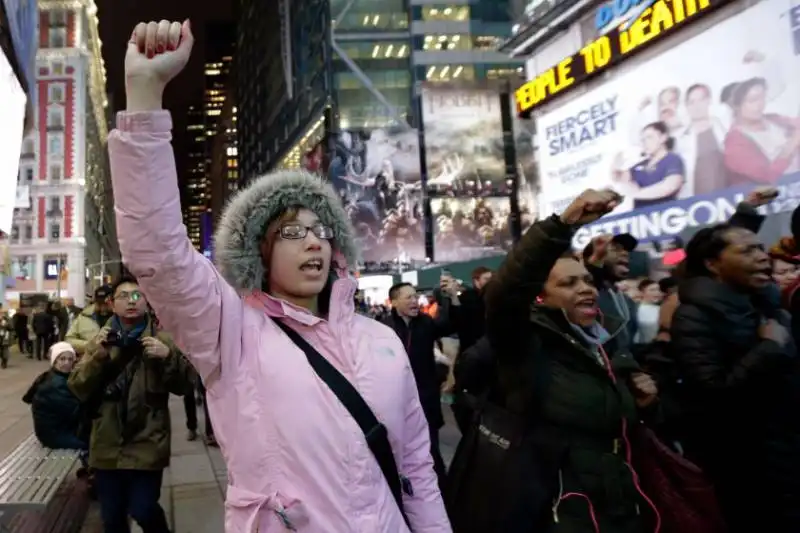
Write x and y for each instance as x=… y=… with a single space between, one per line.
x=251 y=512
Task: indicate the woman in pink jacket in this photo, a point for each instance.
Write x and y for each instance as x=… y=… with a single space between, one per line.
x=297 y=459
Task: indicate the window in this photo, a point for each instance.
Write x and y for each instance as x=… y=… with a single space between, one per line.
x=27 y=175
x=56 y=93
x=55 y=206
x=22 y=267
x=57 y=68
x=55 y=146
x=55 y=117
x=58 y=17
x=27 y=147
x=28 y=235
x=447 y=42
x=486 y=42
x=14 y=233
x=57 y=38
x=55 y=232
x=55 y=172
x=452 y=13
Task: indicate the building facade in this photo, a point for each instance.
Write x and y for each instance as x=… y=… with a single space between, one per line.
x=204 y=126
x=704 y=112
x=224 y=165
x=63 y=240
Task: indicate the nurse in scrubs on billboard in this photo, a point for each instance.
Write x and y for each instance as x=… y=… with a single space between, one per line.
x=659 y=176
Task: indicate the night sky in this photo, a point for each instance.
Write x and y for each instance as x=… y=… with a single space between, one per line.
x=117 y=20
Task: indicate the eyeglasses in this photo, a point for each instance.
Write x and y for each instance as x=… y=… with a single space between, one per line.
x=296 y=231
x=133 y=296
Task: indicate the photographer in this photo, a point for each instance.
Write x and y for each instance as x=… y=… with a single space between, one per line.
x=125 y=377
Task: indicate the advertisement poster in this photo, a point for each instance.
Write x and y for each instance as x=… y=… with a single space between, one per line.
x=23 y=16
x=377 y=174
x=469 y=228
x=14 y=100
x=685 y=135
x=464 y=140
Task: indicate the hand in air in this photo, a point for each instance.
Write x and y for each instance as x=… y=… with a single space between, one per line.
x=590 y=206
x=157 y=52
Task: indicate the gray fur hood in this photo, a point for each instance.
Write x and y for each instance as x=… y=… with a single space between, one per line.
x=241 y=227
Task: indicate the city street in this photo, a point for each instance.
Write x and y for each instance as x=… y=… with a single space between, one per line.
x=194 y=485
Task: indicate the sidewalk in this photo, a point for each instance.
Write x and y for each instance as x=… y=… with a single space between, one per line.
x=194 y=485
x=16 y=423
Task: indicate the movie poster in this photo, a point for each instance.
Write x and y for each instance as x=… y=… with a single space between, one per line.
x=377 y=175
x=685 y=135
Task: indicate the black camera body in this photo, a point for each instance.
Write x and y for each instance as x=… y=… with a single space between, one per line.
x=116 y=339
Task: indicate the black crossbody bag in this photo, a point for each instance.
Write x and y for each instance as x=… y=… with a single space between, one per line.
x=374 y=431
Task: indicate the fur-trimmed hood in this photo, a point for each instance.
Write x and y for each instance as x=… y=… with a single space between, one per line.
x=241 y=228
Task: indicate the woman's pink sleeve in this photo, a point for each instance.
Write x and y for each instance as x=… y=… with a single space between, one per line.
x=182 y=286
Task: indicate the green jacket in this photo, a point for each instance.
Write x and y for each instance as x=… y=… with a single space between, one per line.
x=128 y=396
x=84 y=328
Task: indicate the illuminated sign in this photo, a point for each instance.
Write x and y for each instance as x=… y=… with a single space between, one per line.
x=621 y=12
x=656 y=21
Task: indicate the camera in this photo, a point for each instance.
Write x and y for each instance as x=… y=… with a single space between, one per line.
x=118 y=340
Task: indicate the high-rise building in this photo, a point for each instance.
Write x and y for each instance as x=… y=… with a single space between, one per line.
x=360 y=58
x=194 y=186
x=64 y=237
x=219 y=48
x=224 y=168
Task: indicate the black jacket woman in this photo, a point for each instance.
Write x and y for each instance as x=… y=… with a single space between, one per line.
x=741 y=384
x=557 y=366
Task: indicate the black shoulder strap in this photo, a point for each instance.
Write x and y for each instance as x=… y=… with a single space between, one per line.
x=374 y=431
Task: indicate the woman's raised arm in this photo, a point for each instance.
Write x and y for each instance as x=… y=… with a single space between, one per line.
x=186 y=292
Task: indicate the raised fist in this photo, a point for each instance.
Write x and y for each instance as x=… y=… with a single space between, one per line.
x=157 y=52
x=590 y=206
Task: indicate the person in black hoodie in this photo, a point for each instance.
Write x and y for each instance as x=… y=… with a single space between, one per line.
x=559 y=368
x=419 y=333
x=44 y=327
x=56 y=411
x=741 y=380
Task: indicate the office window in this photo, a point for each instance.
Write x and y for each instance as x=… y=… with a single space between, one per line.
x=447 y=42
x=55 y=117
x=486 y=42
x=451 y=13
x=56 y=93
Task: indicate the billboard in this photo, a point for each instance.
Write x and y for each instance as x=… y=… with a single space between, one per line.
x=23 y=18
x=14 y=101
x=684 y=136
x=377 y=174
x=464 y=140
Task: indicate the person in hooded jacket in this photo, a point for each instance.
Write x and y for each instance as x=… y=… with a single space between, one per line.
x=560 y=368
x=57 y=412
x=91 y=320
x=296 y=459
x=741 y=380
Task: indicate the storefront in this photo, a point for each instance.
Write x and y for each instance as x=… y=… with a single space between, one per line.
x=682 y=106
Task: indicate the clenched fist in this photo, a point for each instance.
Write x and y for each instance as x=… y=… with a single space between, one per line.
x=157 y=52
x=590 y=206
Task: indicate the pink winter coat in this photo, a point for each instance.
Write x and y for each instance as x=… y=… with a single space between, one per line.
x=296 y=459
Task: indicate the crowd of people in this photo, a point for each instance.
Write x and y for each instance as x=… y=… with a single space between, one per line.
x=587 y=403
